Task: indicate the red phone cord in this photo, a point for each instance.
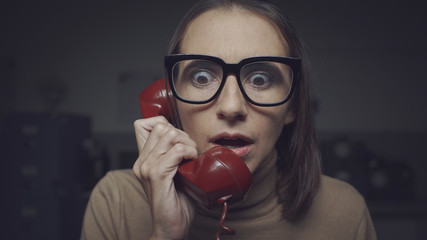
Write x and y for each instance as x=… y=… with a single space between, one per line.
x=224 y=229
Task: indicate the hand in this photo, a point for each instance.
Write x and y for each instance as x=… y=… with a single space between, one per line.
x=161 y=148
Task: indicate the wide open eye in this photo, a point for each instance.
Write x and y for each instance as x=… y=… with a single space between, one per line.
x=202 y=78
x=200 y=73
x=266 y=82
x=196 y=80
x=258 y=80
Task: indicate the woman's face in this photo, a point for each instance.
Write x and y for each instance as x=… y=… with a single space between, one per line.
x=230 y=120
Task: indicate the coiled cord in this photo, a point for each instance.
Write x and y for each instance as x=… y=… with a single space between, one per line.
x=224 y=230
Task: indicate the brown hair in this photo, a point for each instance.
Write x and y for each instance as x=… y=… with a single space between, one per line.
x=299 y=159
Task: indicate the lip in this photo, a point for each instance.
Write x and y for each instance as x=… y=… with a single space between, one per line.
x=241 y=151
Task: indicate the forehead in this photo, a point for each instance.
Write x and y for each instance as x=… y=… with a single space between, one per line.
x=233 y=34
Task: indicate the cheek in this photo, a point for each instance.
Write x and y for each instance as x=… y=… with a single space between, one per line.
x=186 y=120
x=192 y=121
x=190 y=126
x=271 y=126
x=270 y=132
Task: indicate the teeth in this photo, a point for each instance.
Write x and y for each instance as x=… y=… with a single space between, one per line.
x=231 y=147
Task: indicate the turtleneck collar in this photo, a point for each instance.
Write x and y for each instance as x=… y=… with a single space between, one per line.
x=260 y=201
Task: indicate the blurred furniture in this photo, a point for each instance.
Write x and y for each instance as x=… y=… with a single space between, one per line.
x=42 y=157
x=388 y=169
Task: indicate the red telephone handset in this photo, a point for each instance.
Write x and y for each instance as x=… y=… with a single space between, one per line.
x=216 y=176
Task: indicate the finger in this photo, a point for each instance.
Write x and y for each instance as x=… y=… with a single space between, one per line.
x=156 y=173
x=143 y=128
x=146 y=149
x=161 y=140
x=166 y=167
x=164 y=137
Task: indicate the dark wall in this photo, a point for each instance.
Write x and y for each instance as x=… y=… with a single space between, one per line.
x=367 y=58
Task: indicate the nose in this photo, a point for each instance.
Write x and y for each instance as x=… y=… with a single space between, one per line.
x=231 y=104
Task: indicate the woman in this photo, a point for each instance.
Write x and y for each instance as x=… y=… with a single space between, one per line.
x=260 y=113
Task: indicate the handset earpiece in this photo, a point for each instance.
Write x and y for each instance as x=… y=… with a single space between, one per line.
x=157 y=100
x=153 y=100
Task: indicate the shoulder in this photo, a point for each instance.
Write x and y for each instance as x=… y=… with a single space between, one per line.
x=341 y=210
x=119 y=177
x=117 y=184
x=336 y=191
x=338 y=197
x=117 y=208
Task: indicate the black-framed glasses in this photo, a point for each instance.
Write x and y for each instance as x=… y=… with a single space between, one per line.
x=263 y=81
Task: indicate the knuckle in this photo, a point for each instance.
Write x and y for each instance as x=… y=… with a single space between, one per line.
x=179 y=148
x=146 y=172
x=141 y=169
x=136 y=167
x=137 y=122
x=173 y=133
x=160 y=128
x=183 y=150
x=136 y=171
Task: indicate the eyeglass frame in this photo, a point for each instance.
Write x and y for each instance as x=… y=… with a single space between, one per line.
x=233 y=68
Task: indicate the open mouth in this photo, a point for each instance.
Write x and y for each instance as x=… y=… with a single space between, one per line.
x=238 y=143
x=232 y=142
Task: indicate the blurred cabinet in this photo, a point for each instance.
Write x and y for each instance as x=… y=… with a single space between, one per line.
x=42 y=158
x=388 y=169
x=400 y=221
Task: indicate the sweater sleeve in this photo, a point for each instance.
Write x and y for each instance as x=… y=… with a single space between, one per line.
x=366 y=230
x=101 y=216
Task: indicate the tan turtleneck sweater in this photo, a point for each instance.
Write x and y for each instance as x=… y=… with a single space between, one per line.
x=118 y=209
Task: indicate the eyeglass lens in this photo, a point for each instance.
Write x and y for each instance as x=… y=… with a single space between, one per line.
x=263 y=82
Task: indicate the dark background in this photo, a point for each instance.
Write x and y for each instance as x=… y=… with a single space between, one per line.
x=71 y=73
